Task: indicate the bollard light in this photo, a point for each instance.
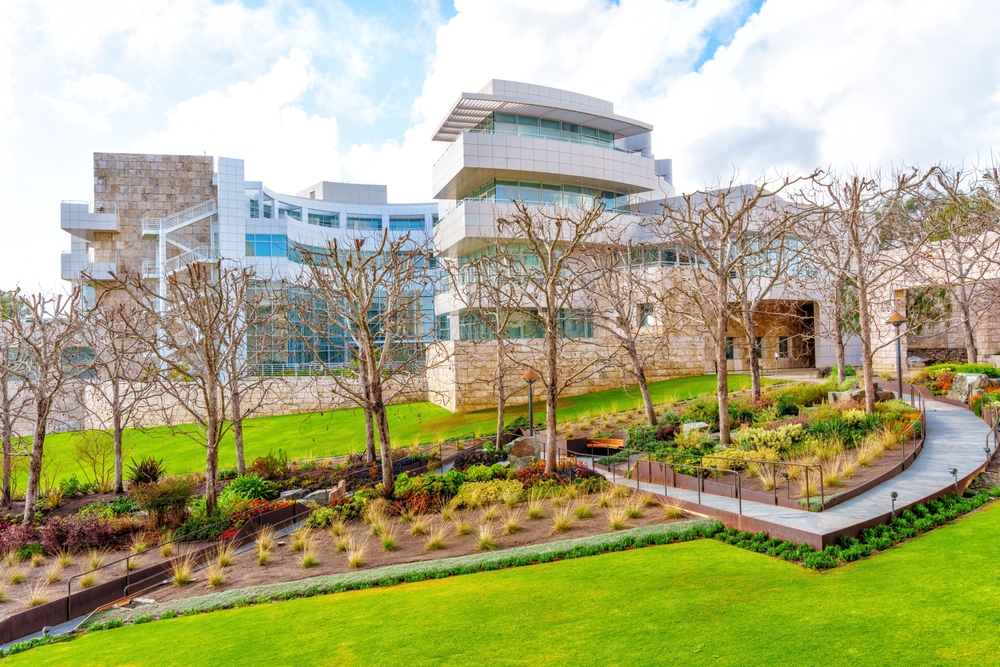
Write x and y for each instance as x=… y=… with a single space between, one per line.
x=893 y=496
x=954 y=473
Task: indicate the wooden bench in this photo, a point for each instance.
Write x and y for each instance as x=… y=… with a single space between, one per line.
x=605 y=443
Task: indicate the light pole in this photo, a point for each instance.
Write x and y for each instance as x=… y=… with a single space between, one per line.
x=897 y=320
x=530 y=376
x=893 y=496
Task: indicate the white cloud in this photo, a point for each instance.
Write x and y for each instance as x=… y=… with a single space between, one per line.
x=262 y=121
x=91 y=100
x=9 y=122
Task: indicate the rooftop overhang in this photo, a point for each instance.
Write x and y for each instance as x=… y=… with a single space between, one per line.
x=472 y=108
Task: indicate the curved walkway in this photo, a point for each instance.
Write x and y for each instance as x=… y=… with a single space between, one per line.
x=954 y=440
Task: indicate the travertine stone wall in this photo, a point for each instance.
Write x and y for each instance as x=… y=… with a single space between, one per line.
x=461 y=375
x=146 y=185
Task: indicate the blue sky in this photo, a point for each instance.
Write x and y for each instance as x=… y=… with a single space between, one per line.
x=310 y=90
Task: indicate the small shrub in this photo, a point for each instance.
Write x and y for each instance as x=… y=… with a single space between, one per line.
x=273 y=465
x=147 y=470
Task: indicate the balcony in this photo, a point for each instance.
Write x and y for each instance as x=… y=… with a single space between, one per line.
x=149 y=269
x=93 y=265
x=82 y=219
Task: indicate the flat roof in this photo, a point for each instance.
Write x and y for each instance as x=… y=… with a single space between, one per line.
x=538 y=101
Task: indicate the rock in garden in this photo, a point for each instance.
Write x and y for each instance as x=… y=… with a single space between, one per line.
x=965 y=384
x=292 y=494
x=321 y=497
x=523 y=452
x=694 y=426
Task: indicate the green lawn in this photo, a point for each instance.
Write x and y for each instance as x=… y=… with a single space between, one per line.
x=341 y=431
x=933 y=600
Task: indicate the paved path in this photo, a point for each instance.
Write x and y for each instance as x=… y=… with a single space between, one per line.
x=955 y=439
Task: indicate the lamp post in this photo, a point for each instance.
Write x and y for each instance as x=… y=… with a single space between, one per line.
x=530 y=376
x=893 y=496
x=954 y=473
x=897 y=320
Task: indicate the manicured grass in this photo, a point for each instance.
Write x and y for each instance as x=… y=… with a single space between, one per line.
x=932 y=600
x=341 y=431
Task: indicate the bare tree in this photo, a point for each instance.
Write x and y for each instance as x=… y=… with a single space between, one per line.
x=964 y=248
x=123 y=375
x=12 y=392
x=489 y=299
x=542 y=252
x=627 y=291
x=867 y=217
x=48 y=355
x=185 y=329
x=729 y=243
x=365 y=301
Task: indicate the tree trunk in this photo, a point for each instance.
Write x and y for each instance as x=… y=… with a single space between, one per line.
x=867 y=362
x=211 y=447
x=501 y=394
x=971 y=353
x=369 y=417
x=722 y=385
x=640 y=376
x=241 y=464
x=116 y=423
x=35 y=461
x=754 y=356
x=384 y=439
x=6 y=442
x=551 y=394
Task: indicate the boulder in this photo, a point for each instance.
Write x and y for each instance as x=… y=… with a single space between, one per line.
x=292 y=494
x=321 y=497
x=523 y=452
x=849 y=395
x=694 y=426
x=964 y=385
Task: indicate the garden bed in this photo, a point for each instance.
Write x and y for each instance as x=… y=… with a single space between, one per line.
x=285 y=564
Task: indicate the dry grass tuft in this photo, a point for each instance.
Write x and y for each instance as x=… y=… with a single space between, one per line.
x=617 y=519
x=491 y=513
x=512 y=523
x=583 y=510
x=53 y=573
x=37 y=560
x=216 y=575
x=357 y=555
x=390 y=540
x=225 y=554
x=562 y=520
x=436 y=540
x=37 y=595
x=182 y=570
x=671 y=512
x=485 y=539
x=420 y=525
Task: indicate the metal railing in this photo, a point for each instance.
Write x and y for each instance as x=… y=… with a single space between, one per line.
x=107 y=207
x=149 y=268
x=186 y=242
x=198 y=255
x=103 y=256
x=196 y=212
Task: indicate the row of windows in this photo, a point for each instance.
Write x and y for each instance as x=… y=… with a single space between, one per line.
x=531 y=126
x=267 y=245
x=535 y=193
x=329 y=220
x=572 y=324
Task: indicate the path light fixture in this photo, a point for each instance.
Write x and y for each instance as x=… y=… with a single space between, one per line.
x=897 y=320
x=954 y=473
x=530 y=376
x=987 y=450
x=893 y=496
x=788 y=487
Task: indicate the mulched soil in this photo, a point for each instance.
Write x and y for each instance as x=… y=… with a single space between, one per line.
x=285 y=566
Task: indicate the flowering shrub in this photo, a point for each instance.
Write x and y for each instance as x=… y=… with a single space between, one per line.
x=17 y=537
x=473 y=494
x=781 y=438
x=80 y=534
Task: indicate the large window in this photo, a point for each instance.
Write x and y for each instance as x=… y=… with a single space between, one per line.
x=783 y=347
x=530 y=126
x=730 y=350
x=364 y=223
x=288 y=211
x=443 y=326
x=267 y=245
x=576 y=324
x=331 y=220
x=407 y=224
x=550 y=194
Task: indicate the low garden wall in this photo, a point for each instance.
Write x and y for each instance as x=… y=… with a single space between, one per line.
x=88 y=600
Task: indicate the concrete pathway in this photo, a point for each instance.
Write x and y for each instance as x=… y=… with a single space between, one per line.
x=955 y=439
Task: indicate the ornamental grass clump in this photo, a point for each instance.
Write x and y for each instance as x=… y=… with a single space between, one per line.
x=671 y=512
x=463 y=527
x=167 y=548
x=216 y=575
x=16 y=575
x=511 y=496
x=512 y=523
x=96 y=558
x=420 y=525
x=633 y=510
x=182 y=571
x=606 y=500
x=37 y=560
x=53 y=573
x=617 y=519
x=356 y=555
x=225 y=554
x=406 y=516
x=436 y=540
x=343 y=543
x=448 y=513
x=337 y=528
x=562 y=520
x=390 y=541
x=138 y=544
x=491 y=513
x=485 y=539
x=63 y=558
x=583 y=510
x=300 y=537
x=646 y=499
x=265 y=542
x=37 y=595
x=3 y=593
x=309 y=558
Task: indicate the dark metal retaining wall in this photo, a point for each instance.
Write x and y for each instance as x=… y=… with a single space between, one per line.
x=87 y=600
